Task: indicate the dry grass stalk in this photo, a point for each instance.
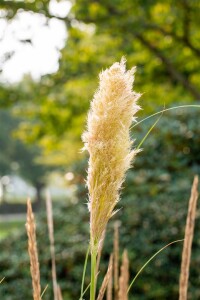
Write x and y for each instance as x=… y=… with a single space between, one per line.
x=51 y=239
x=109 y=144
x=106 y=279
x=124 y=277
x=33 y=254
x=109 y=287
x=116 y=258
x=59 y=293
x=187 y=246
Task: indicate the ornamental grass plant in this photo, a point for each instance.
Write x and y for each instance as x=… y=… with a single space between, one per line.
x=108 y=142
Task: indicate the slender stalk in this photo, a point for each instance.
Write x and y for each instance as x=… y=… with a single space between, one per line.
x=60 y=297
x=46 y=287
x=86 y=288
x=93 y=274
x=2 y=280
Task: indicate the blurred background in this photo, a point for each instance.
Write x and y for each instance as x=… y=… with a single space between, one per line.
x=50 y=55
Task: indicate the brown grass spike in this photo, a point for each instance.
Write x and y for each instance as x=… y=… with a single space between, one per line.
x=52 y=248
x=187 y=246
x=33 y=254
x=106 y=279
x=124 y=277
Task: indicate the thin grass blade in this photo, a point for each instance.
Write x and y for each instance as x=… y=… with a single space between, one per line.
x=46 y=287
x=149 y=131
x=162 y=111
x=151 y=258
x=83 y=276
x=85 y=291
x=2 y=280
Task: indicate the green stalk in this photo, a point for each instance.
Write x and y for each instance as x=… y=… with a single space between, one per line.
x=84 y=271
x=93 y=273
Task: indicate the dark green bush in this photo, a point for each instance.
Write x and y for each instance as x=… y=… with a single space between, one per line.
x=153 y=212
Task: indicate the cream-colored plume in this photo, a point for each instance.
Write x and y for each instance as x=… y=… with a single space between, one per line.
x=108 y=142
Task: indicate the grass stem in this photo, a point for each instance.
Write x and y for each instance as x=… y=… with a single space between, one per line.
x=93 y=274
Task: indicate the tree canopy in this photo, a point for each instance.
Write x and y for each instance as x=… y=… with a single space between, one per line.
x=160 y=38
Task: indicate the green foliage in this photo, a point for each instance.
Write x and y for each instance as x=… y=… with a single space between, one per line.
x=153 y=213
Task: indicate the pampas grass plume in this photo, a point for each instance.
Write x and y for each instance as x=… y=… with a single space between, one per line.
x=108 y=142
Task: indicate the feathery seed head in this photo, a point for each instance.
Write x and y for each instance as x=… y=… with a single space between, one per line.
x=108 y=142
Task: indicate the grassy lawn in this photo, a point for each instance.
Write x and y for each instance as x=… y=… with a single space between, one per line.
x=10 y=225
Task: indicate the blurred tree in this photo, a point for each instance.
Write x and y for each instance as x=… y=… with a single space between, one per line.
x=161 y=38
x=18 y=158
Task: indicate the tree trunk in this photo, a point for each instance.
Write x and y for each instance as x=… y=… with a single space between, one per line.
x=39 y=189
